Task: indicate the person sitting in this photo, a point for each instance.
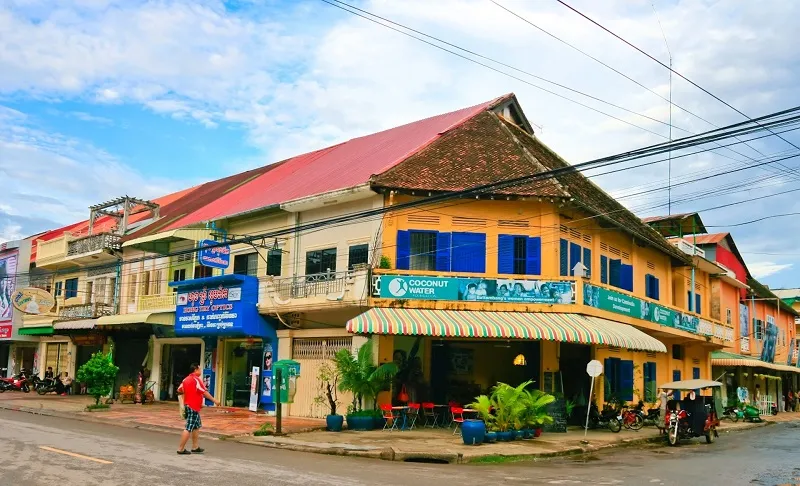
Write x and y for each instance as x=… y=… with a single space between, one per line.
x=49 y=373
x=67 y=382
x=60 y=386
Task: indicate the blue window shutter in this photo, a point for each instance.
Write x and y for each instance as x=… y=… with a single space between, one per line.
x=626 y=379
x=695 y=373
x=614 y=272
x=574 y=257
x=608 y=370
x=626 y=277
x=443 y=252
x=603 y=269
x=563 y=256
x=469 y=252
x=648 y=286
x=505 y=254
x=533 y=263
x=587 y=260
x=403 y=250
x=656 y=288
x=676 y=376
x=697 y=304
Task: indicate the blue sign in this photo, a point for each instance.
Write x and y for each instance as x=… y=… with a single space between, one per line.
x=214 y=256
x=220 y=306
x=477 y=289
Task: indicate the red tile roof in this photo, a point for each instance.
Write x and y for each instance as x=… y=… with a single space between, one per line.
x=711 y=239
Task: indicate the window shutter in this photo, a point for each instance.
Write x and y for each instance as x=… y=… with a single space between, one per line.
x=695 y=373
x=676 y=376
x=469 y=252
x=505 y=254
x=403 y=250
x=608 y=371
x=614 y=272
x=443 y=252
x=656 y=288
x=626 y=379
x=563 y=256
x=603 y=269
x=648 y=285
x=533 y=263
x=587 y=261
x=697 y=301
x=626 y=277
x=574 y=257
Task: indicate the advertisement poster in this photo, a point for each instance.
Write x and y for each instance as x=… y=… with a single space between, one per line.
x=619 y=303
x=209 y=372
x=770 y=339
x=744 y=319
x=790 y=353
x=8 y=272
x=267 y=377
x=477 y=289
x=255 y=375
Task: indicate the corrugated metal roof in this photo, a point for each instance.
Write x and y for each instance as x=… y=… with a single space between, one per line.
x=711 y=239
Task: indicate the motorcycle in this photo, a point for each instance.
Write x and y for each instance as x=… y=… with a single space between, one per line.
x=734 y=414
x=632 y=419
x=652 y=417
x=751 y=414
x=610 y=417
x=696 y=417
x=15 y=383
x=48 y=385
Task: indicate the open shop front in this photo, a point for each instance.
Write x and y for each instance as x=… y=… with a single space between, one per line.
x=449 y=356
x=237 y=340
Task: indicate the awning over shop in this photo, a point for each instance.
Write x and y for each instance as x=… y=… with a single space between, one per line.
x=159 y=242
x=162 y=318
x=569 y=328
x=724 y=358
x=36 y=331
x=75 y=325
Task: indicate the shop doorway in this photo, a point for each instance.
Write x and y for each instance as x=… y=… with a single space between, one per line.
x=175 y=362
x=23 y=359
x=4 y=354
x=240 y=357
x=129 y=354
x=84 y=354
x=572 y=364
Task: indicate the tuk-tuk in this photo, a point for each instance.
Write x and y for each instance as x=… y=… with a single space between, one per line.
x=695 y=415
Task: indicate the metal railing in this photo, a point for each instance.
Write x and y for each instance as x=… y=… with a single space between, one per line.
x=156 y=302
x=86 y=311
x=320 y=284
x=92 y=243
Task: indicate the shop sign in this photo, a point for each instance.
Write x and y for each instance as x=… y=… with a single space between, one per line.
x=8 y=272
x=619 y=303
x=476 y=289
x=88 y=340
x=770 y=338
x=31 y=300
x=214 y=256
x=5 y=331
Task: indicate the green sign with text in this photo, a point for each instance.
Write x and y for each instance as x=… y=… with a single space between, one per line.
x=619 y=303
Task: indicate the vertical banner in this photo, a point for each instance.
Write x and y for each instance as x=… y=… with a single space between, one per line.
x=267 y=397
x=254 y=380
x=210 y=366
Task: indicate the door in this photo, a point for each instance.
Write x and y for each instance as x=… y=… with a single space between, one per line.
x=676 y=376
x=183 y=356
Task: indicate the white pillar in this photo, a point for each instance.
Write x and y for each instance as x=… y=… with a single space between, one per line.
x=155 y=371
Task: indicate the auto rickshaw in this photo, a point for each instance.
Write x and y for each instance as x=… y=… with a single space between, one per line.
x=695 y=415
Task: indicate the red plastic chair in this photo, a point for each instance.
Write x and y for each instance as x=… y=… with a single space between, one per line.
x=458 y=418
x=389 y=417
x=413 y=414
x=431 y=417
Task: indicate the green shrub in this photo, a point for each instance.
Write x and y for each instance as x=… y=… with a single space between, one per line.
x=99 y=374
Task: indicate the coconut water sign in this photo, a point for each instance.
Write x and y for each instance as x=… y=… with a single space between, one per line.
x=427 y=288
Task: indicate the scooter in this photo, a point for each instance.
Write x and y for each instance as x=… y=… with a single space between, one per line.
x=652 y=417
x=49 y=386
x=751 y=414
x=15 y=383
x=733 y=413
x=609 y=417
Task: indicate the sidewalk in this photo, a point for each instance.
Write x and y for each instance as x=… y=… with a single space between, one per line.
x=442 y=446
x=217 y=422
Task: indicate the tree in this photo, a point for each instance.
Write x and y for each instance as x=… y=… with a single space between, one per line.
x=360 y=376
x=99 y=374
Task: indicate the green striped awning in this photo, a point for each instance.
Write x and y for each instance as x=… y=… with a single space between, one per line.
x=36 y=331
x=546 y=326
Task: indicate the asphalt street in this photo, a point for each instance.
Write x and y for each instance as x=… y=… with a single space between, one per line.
x=44 y=450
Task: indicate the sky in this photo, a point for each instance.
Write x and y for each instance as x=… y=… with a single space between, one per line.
x=102 y=98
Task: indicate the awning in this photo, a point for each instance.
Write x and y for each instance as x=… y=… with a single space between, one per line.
x=723 y=358
x=74 y=325
x=36 y=331
x=569 y=328
x=162 y=318
x=159 y=242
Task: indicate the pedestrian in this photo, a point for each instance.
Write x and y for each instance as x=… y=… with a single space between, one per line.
x=194 y=391
x=663 y=398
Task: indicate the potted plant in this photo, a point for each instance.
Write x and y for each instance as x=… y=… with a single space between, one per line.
x=99 y=374
x=536 y=402
x=385 y=263
x=508 y=407
x=328 y=380
x=359 y=375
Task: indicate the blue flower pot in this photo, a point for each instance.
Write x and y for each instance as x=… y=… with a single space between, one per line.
x=504 y=436
x=360 y=423
x=334 y=422
x=526 y=433
x=473 y=432
x=490 y=437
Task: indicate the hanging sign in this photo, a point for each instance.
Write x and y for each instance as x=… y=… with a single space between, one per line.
x=211 y=255
x=34 y=301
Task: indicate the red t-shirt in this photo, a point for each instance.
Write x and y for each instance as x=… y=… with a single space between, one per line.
x=193 y=390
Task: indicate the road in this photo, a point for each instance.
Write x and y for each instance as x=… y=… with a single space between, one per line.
x=39 y=450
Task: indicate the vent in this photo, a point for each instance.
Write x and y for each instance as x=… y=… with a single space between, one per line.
x=651 y=355
x=695 y=361
x=625 y=255
x=651 y=265
x=510 y=223
x=320 y=348
x=564 y=229
x=184 y=257
x=469 y=222
x=604 y=246
x=575 y=234
x=587 y=238
x=614 y=251
x=613 y=349
x=423 y=219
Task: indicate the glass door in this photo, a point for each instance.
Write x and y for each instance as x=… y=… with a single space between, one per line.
x=240 y=357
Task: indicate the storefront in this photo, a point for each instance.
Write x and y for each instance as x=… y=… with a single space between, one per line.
x=172 y=359
x=223 y=312
x=760 y=383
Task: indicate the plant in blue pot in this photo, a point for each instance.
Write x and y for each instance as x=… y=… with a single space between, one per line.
x=328 y=395
x=508 y=406
x=359 y=375
x=535 y=415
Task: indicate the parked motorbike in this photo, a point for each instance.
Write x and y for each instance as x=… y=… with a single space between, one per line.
x=15 y=383
x=48 y=385
x=610 y=417
x=632 y=419
x=733 y=414
x=696 y=416
x=751 y=414
x=651 y=417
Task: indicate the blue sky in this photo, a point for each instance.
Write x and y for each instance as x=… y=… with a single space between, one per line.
x=100 y=98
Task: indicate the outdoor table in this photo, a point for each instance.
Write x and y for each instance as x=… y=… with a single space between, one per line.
x=403 y=410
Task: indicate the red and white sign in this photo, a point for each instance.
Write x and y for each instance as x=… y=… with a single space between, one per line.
x=5 y=331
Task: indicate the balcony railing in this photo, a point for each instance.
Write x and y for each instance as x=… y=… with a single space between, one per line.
x=147 y=303
x=86 y=311
x=310 y=285
x=88 y=244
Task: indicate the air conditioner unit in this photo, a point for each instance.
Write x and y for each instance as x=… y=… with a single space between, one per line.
x=689 y=248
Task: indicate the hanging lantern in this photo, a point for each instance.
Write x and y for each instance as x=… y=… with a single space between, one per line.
x=520 y=360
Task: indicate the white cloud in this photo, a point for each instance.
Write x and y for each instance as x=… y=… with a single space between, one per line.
x=765 y=269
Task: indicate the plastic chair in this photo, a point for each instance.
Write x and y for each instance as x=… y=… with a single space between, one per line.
x=458 y=417
x=412 y=414
x=389 y=417
x=431 y=417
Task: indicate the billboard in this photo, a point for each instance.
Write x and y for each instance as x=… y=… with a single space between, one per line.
x=8 y=280
x=744 y=320
x=477 y=289
x=770 y=340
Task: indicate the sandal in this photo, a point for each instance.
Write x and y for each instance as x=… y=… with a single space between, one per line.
x=199 y=450
x=184 y=452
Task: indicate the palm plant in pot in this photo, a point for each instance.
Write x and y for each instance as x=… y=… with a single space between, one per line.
x=359 y=375
x=509 y=405
x=328 y=394
x=536 y=402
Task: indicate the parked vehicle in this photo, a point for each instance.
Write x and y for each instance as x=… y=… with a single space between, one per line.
x=751 y=414
x=632 y=419
x=652 y=417
x=733 y=413
x=15 y=383
x=48 y=385
x=695 y=416
x=610 y=417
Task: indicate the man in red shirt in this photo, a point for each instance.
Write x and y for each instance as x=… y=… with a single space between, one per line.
x=193 y=391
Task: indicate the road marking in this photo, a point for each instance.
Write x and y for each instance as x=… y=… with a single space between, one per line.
x=72 y=454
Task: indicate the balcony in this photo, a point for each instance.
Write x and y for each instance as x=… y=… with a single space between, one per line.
x=85 y=311
x=312 y=292
x=155 y=303
x=93 y=249
x=437 y=290
x=52 y=254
